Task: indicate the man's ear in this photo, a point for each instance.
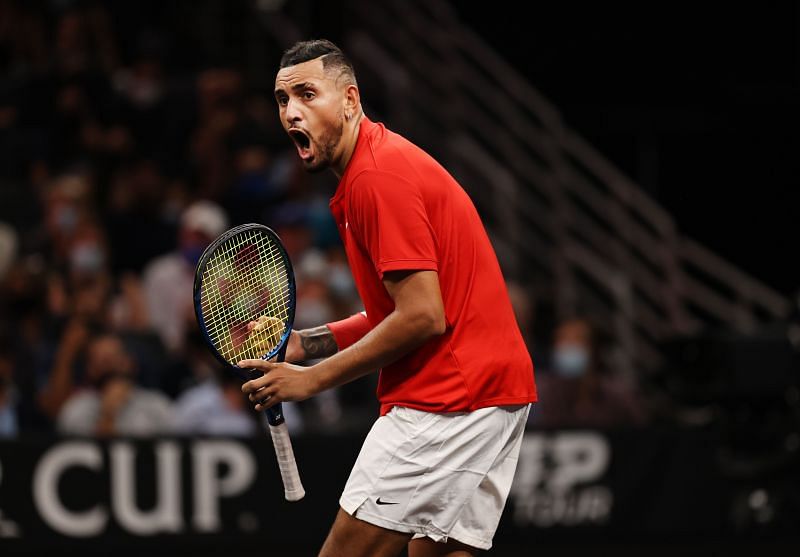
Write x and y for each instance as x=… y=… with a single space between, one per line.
x=352 y=99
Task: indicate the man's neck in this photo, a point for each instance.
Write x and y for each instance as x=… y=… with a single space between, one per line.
x=352 y=140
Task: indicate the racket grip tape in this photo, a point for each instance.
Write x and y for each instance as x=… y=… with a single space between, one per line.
x=286 y=462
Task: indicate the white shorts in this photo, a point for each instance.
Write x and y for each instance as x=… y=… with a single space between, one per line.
x=437 y=475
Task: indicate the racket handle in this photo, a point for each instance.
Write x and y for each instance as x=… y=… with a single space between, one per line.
x=286 y=462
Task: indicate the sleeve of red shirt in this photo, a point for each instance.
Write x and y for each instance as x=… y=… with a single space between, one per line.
x=389 y=218
x=348 y=331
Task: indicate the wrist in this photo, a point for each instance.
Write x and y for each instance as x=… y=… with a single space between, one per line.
x=317 y=378
x=301 y=344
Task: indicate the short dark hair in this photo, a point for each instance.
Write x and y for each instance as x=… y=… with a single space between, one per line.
x=332 y=57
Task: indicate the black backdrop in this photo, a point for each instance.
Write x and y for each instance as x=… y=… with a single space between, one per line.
x=697 y=102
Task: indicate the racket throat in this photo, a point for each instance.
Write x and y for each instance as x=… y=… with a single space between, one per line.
x=275 y=415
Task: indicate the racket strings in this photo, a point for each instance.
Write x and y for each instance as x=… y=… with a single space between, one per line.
x=242 y=307
x=245 y=296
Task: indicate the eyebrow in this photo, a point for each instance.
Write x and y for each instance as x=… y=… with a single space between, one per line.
x=296 y=87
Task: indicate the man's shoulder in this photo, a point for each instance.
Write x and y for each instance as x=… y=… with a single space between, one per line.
x=81 y=401
x=205 y=395
x=150 y=397
x=79 y=413
x=165 y=266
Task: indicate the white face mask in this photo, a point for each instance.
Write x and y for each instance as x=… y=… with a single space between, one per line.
x=570 y=360
x=86 y=258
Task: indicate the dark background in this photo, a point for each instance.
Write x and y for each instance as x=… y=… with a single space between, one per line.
x=698 y=103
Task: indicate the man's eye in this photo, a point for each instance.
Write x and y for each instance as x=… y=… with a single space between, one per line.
x=308 y=95
x=283 y=101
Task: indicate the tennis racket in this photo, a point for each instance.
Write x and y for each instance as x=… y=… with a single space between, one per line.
x=244 y=300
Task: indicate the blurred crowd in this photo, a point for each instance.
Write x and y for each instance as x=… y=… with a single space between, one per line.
x=577 y=383
x=116 y=170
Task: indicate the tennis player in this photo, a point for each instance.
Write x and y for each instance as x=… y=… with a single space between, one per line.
x=456 y=380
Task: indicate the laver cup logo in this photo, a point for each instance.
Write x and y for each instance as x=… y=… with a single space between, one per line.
x=557 y=480
x=81 y=488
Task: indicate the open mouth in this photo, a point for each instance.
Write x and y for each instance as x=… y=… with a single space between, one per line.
x=302 y=141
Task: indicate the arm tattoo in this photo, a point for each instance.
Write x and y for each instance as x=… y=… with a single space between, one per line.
x=318 y=342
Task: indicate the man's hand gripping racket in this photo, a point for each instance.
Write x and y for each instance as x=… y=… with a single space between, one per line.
x=244 y=300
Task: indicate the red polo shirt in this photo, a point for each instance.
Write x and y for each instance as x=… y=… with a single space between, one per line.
x=398 y=209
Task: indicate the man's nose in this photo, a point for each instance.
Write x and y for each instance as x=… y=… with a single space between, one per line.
x=293 y=114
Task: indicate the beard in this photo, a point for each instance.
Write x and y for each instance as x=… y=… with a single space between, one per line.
x=325 y=148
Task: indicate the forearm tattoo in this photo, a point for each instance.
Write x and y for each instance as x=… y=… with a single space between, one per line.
x=318 y=342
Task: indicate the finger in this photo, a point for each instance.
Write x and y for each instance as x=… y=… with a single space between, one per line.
x=259 y=364
x=272 y=401
x=255 y=385
x=260 y=394
x=259 y=382
x=261 y=405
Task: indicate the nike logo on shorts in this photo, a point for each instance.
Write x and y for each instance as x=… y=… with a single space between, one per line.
x=378 y=500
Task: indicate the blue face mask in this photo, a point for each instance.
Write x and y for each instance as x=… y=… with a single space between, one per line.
x=192 y=254
x=252 y=184
x=570 y=360
x=67 y=218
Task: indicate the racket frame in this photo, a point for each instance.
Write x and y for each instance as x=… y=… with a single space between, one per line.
x=275 y=413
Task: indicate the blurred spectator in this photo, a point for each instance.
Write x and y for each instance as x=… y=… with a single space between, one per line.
x=23 y=293
x=9 y=426
x=215 y=406
x=139 y=217
x=523 y=305
x=68 y=213
x=80 y=291
x=209 y=399
x=342 y=288
x=313 y=295
x=219 y=96
x=577 y=390
x=83 y=308
x=290 y=221
x=169 y=279
x=22 y=39
x=535 y=320
x=8 y=248
x=55 y=387
x=84 y=40
x=142 y=89
x=111 y=403
x=260 y=178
